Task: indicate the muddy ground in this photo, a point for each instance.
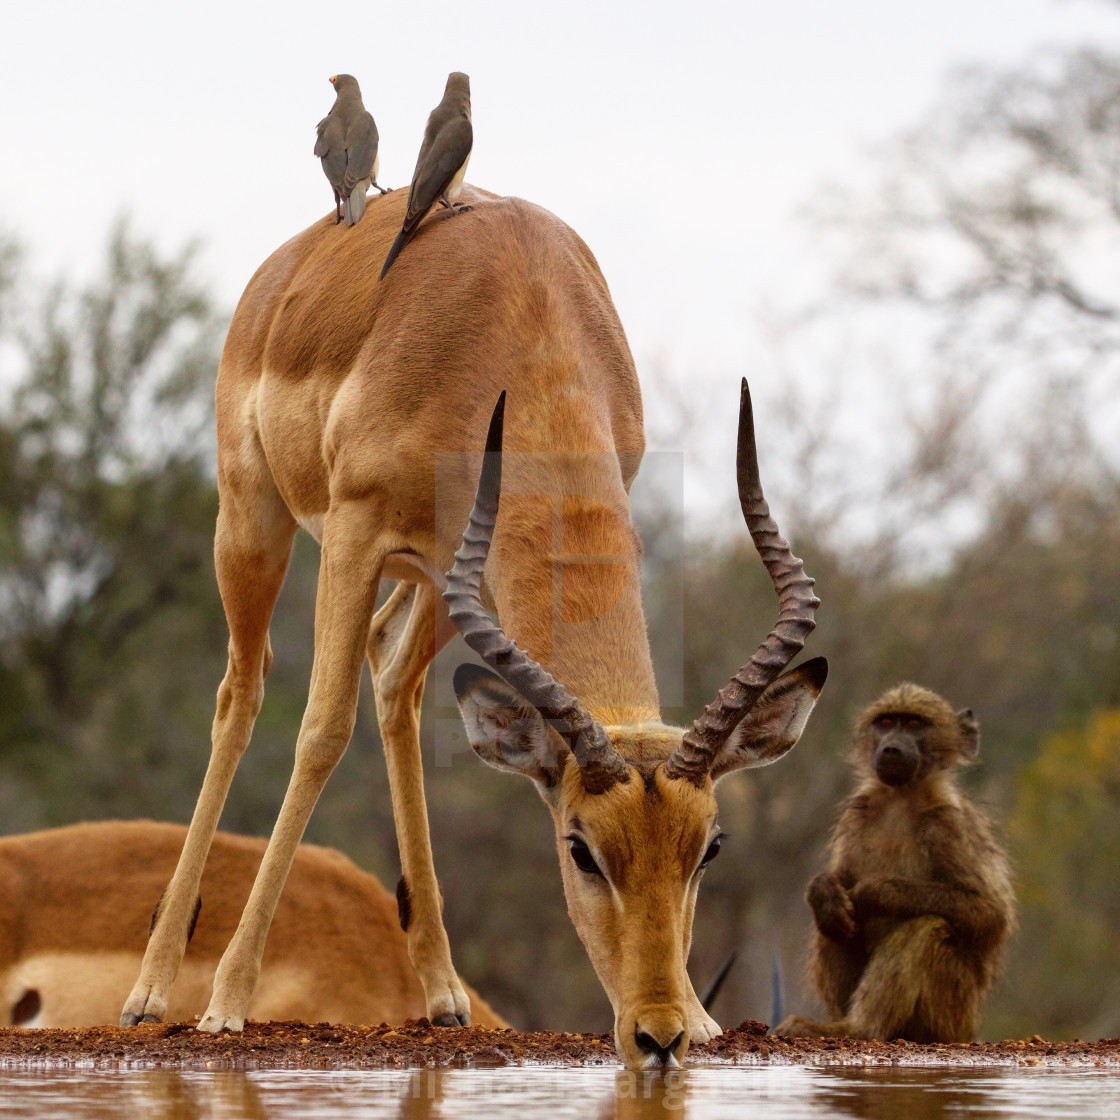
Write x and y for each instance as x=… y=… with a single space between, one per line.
x=293 y=1045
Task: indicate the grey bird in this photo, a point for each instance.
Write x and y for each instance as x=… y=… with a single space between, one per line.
x=347 y=145
x=442 y=162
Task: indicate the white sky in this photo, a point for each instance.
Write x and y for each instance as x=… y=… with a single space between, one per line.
x=677 y=139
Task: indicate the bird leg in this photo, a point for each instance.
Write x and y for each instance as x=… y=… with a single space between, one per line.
x=454 y=207
x=383 y=190
x=337 y=208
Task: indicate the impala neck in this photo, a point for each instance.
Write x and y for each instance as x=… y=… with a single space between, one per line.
x=569 y=581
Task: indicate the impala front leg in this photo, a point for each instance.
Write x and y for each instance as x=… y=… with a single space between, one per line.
x=701 y=1026
x=348 y=575
x=251 y=557
x=406 y=633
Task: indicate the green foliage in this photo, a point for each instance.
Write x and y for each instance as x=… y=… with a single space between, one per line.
x=1065 y=832
x=106 y=516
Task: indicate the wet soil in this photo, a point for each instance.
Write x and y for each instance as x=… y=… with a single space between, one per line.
x=294 y=1045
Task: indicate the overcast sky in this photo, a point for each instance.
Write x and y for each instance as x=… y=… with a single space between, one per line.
x=677 y=139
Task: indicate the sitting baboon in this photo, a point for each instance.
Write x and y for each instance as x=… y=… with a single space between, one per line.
x=917 y=900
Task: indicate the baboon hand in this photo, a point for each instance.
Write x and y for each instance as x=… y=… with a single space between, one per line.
x=832 y=907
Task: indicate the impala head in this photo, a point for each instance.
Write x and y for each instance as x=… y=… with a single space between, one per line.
x=633 y=806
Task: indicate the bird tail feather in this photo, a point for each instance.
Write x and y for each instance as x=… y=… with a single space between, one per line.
x=403 y=238
x=355 y=206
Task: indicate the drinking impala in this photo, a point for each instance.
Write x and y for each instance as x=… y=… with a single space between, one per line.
x=344 y=405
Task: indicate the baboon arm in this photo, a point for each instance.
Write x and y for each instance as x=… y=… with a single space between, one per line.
x=970 y=913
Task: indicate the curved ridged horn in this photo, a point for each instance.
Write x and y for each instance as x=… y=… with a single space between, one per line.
x=797 y=604
x=600 y=764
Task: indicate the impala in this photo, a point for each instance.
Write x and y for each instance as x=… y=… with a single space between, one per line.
x=74 y=907
x=347 y=407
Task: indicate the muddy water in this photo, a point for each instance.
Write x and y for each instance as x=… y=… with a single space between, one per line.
x=774 y=1093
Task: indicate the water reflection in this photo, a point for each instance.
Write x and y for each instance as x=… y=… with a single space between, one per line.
x=646 y=1096
x=876 y=1094
x=761 y=1092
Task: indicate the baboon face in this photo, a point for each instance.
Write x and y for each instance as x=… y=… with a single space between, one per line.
x=910 y=732
x=897 y=752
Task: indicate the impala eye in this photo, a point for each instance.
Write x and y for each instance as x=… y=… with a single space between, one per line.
x=582 y=856
x=712 y=852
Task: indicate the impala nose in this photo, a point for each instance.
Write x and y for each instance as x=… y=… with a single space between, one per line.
x=660 y=1040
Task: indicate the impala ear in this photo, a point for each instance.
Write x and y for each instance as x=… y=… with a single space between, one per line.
x=775 y=722
x=504 y=729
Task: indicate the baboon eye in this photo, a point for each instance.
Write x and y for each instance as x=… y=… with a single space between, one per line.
x=884 y=722
x=712 y=852
x=582 y=856
x=913 y=723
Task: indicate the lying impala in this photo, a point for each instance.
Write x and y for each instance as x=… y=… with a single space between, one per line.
x=343 y=405
x=74 y=903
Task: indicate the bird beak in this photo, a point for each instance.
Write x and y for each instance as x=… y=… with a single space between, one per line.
x=332 y=79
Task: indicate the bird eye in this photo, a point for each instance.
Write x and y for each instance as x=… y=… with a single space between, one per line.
x=582 y=856
x=712 y=852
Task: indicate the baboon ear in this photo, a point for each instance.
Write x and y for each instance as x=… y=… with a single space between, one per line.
x=504 y=729
x=775 y=722
x=969 y=727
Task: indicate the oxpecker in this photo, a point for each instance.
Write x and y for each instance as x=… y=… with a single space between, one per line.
x=347 y=145
x=442 y=162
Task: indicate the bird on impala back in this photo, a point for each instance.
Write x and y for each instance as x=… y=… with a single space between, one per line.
x=442 y=162
x=347 y=145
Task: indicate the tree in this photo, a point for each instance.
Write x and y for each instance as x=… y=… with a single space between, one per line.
x=106 y=515
x=968 y=337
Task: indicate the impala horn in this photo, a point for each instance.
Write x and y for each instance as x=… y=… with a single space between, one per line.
x=797 y=604
x=600 y=764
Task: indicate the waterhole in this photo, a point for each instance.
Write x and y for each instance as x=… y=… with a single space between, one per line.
x=776 y=1093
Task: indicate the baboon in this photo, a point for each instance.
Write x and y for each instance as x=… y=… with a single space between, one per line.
x=917 y=901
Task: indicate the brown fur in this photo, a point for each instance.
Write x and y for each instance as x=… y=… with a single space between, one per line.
x=72 y=930
x=913 y=911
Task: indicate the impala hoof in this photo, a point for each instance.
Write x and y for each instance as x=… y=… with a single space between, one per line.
x=450 y=1006
x=216 y=1024
x=144 y=1007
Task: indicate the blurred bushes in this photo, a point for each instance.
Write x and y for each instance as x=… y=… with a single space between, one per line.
x=1065 y=828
